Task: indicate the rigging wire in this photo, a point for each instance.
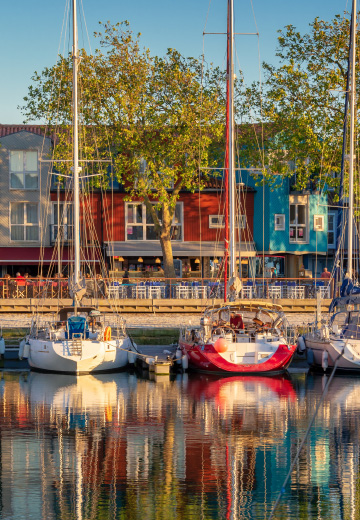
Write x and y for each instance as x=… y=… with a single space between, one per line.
x=297 y=455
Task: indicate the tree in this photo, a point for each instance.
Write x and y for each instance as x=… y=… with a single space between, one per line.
x=302 y=105
x=158 y=116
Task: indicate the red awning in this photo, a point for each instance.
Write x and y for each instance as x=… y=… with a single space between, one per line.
x=34 y=255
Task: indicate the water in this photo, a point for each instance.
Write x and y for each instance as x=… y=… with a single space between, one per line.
x=124 y=447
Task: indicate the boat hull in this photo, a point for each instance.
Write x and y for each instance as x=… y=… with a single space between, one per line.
x=95 y=356
x=348 y=362
x=204 y=358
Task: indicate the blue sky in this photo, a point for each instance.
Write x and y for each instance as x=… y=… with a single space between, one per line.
x=30 y=33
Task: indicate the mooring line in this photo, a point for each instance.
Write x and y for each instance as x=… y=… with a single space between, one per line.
x=282 y=490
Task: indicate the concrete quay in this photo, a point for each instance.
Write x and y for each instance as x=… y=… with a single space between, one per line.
x=145 y=306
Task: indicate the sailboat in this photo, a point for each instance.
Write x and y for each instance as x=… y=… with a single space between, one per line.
x=79 y=340
x=237 y=338
x=337 y=340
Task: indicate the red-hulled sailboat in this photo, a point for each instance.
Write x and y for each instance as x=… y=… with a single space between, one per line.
x=237 y=338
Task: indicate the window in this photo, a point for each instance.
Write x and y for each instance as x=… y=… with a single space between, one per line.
x=139 y=224
x=24 y=221
x=332 y=230
x=218 y=221
x=279 y=222
x=62 y=221
x=318 y=222
x=24 y=170
x=298 y=223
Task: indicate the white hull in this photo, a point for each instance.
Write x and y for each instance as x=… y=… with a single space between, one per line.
x=93 y=356
x=350 y=360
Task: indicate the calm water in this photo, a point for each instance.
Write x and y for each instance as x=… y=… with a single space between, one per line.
x=125 y=447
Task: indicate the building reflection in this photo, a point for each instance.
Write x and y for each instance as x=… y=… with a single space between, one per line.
x=122 y=446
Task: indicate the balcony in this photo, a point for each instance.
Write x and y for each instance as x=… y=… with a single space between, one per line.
x=65 y=233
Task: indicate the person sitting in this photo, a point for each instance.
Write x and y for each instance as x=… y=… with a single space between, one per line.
x=236 y=321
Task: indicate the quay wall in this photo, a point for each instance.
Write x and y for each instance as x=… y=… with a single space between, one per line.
x=153 y=306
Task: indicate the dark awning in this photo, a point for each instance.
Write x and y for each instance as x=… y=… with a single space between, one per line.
x=35 y=255
x=153 y=248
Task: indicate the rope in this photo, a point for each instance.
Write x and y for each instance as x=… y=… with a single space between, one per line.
x=282 y=490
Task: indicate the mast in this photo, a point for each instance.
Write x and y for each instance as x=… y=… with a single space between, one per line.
x=226 y=165
x=231 y=154
x=352 y=125
x=76 y=150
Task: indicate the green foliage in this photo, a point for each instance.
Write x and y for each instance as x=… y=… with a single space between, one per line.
x=302 y=106
x=156 y=116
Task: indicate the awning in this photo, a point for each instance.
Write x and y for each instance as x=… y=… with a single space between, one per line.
x=34 y=255
x=295 y=253
x=197 y=249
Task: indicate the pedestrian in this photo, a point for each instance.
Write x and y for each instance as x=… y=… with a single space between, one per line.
x=325 y=274
x=125 y=280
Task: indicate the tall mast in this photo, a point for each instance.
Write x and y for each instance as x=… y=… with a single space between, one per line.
x=352 y=124
x=231 y=154
x=76 y=150
x=226 y=166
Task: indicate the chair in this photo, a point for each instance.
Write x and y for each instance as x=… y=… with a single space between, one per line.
x=113 y=291
x=181 y=291
x=139 y=291
x=21 y=289
x=275 y=291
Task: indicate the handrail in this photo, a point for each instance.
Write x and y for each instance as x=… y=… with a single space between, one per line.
x=169 y=288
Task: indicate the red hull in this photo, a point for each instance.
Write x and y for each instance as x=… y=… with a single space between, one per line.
x=204 y=358
x=209 y=386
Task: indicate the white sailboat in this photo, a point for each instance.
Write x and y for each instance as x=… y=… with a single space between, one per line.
x=338 y=340
x=79 y=340
x=237 y=338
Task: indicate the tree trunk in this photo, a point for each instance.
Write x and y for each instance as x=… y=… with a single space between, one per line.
x=168 y=258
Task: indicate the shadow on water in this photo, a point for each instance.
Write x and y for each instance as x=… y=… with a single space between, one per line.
x=183 y=447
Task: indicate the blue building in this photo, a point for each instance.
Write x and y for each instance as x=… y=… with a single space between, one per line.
x=290 y=227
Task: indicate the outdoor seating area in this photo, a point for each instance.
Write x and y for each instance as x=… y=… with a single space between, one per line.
x=204 y=289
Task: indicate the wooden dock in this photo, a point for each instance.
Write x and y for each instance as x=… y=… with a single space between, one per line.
x=34 y=305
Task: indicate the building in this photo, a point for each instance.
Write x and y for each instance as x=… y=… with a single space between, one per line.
x=291 y=231
x=118 y=234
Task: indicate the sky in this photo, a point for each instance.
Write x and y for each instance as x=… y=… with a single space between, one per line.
x=30 y=34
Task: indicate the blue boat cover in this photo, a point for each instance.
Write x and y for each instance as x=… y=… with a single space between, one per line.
x=77 y=325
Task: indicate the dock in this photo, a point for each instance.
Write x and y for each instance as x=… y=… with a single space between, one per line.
x=52 y=305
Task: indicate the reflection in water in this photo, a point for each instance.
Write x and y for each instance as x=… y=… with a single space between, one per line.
x=121 y=446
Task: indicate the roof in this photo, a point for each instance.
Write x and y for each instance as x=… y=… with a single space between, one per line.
x=42 y=130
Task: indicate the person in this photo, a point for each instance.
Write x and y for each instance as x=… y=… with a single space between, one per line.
x=273 y=272
x=101 y=286
x=125 y=280
x=325 y=274
x=236 y=321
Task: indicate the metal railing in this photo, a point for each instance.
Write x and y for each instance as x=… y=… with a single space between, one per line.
x=163 y=288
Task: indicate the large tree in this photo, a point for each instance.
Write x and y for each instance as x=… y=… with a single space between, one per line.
x=301 y=105
x=157 y=115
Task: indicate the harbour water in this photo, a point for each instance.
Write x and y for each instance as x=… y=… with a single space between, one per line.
x=122 y=446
